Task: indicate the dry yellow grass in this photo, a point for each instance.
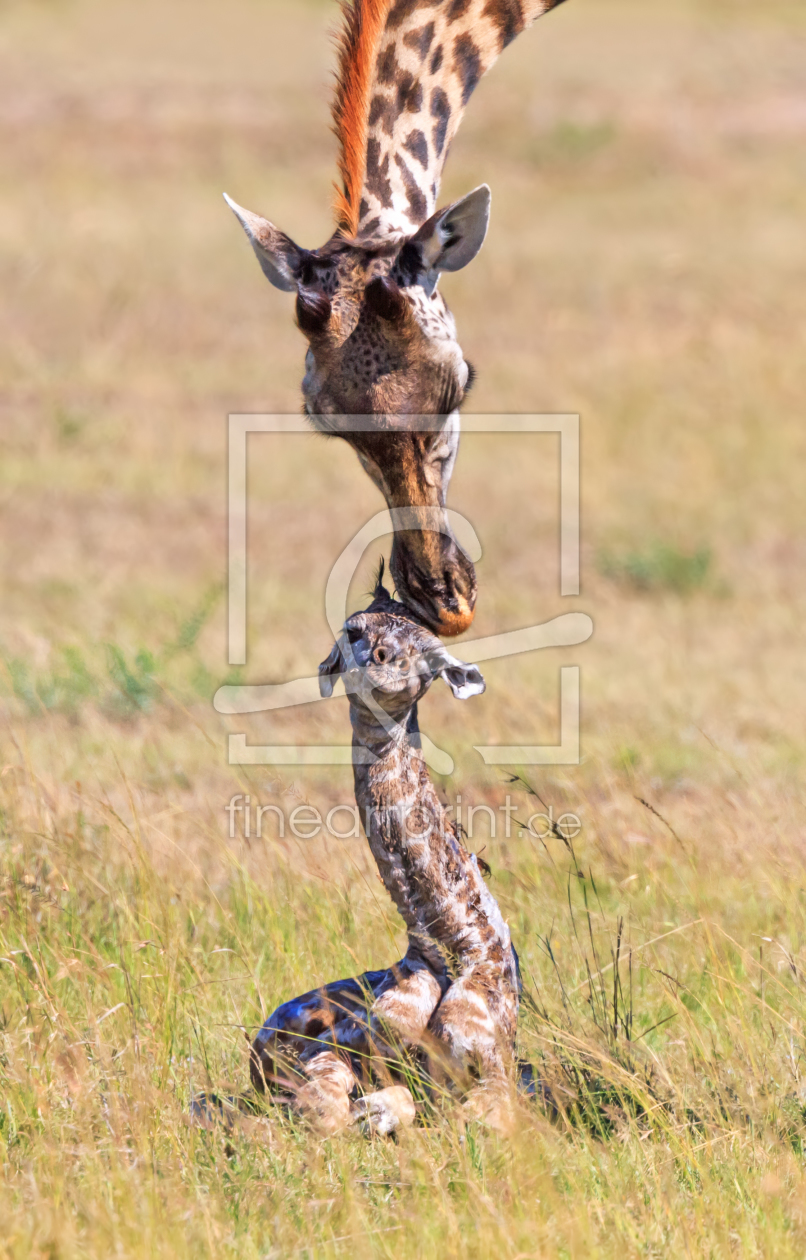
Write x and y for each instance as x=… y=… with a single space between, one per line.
x=646 y=268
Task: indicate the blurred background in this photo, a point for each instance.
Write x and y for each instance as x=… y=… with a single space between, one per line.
x=646 y=268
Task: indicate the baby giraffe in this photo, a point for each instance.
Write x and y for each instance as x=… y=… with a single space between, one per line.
x=454 y=996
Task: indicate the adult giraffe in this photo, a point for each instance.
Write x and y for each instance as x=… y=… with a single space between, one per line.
x=382 y=342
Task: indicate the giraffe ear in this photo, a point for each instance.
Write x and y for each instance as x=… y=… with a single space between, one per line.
x=452 y=237
x=277 y=254
x=329 y=671
x=464 y=680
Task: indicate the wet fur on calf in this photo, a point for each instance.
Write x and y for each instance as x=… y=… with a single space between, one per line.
x=454 y=995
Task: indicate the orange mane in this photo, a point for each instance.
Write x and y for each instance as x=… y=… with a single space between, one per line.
x=358 y=40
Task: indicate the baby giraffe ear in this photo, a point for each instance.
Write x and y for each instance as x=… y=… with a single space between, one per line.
x=277 y=254
x=329 y=670
x=464 y=680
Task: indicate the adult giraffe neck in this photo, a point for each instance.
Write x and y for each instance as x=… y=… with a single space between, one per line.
x=407 y=69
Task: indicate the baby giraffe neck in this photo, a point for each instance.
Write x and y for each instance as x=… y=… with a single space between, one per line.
x=452 y=919
x=385 y=736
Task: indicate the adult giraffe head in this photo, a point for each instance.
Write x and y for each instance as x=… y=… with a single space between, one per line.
x=381 y=341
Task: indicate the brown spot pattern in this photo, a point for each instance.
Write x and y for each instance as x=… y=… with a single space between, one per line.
x=467 y=64
x=387 y=65
x=409 y=94
x=417 y=145
x=382 y=111
x=378 y=174
x=420 y=40
x=508 y=17
x=403 y=9
x=441 y=113
x=416 y=198
x=371 y=226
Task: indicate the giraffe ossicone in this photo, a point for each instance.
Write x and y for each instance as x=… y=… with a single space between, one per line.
x=381 y=339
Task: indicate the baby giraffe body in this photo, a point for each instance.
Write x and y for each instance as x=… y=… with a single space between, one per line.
x=454 y=995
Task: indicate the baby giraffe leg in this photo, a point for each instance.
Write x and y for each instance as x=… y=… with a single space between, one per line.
x=404 y=1003
x=466 y=1040
x=324 y=1099
x=297 y=1025
x=401 y=1012
x=396 y=1019
x=289 y=1052
x=473 y=1032
x=370 y=1017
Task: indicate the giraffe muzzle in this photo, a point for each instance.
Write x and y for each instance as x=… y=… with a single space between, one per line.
x=436 y=579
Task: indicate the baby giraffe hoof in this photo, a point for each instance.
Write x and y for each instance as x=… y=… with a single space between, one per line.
x=384 y=1111
x=491 y=1107
x=324 y=1105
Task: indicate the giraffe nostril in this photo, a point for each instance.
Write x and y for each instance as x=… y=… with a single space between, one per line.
x=313 y=310
x=385 y=298
x=381 y=656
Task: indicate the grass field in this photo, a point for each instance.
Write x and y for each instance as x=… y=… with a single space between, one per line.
x=646 y=267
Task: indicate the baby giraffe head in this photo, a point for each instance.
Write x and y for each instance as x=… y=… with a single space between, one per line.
x=388 y=660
